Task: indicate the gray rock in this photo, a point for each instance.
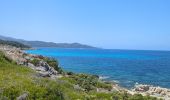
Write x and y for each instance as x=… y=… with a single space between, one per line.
x=46 y=66
x=142 y=88
x=31 y=65
x=40 y=68
x=43 y=74
x=23 y=97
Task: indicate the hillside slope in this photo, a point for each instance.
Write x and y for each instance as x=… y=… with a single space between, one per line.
x=47 y=44
x=13 y=43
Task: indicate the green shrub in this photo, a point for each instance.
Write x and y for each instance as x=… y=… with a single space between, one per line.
x=52 y=62
x=70 y=73
x=35 y=61
x=104 y=85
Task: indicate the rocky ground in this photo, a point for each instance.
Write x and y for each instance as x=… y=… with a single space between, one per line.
x=152 y=91
x=43 y=69
x=21 y=58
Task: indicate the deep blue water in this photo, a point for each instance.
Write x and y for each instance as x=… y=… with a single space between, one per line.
x=124 y=66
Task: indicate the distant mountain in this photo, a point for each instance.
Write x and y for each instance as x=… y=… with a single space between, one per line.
x=47 y=44
x=13 y=43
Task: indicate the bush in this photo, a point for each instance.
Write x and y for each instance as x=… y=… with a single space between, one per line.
x=53 y=63
x=104 y=85
x=70 y=73
x=35 y=61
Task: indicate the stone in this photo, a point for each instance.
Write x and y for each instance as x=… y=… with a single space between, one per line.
x=23 y=97
x=40 y=68
x=31 y=65
x=142 y=88
x=163 y=93
x=43 y=74
x=158 y=90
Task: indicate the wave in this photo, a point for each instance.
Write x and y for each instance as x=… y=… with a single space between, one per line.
x=103 y=77
x=115 y=81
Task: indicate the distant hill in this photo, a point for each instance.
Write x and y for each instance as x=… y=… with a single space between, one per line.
x=47 y=44
x=13 y=43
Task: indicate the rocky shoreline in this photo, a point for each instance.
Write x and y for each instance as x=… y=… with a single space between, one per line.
x=43 y=69
x=159 y=92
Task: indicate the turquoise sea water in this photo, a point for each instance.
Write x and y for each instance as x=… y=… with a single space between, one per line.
x=124 y=66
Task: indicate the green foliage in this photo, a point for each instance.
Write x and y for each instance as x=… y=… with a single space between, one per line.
x=60 y=70
x=35 y=61
x=54 y=63
x=87 y=82
x=103 y=85
x=140 y=97
x=14 y=43
x=70 y=73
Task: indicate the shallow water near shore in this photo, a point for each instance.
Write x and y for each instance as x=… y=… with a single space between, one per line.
x=126 y=67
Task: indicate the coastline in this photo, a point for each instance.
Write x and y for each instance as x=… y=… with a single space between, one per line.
x=144 y=90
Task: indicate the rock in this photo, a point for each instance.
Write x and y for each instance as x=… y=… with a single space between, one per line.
x=40 y=68
x=45 y=65
x=142 y=88
x=31 y=65
x=43 y=74
x=158 y=90
x=163 y=93
x=28 y=57
x=151 y=90
x=52 y=71
x=23 y=97
x=21 y=58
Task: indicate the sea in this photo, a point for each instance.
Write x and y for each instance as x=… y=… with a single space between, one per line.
x=126 y=67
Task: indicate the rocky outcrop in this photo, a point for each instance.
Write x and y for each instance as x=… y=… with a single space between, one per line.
x=142 y=88
x=42 y=68
x=153 y=91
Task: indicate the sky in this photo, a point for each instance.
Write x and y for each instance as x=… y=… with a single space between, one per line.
x=113 y=24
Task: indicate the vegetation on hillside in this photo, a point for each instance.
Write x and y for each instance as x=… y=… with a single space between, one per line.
x=13 y=43
x=17 y=80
